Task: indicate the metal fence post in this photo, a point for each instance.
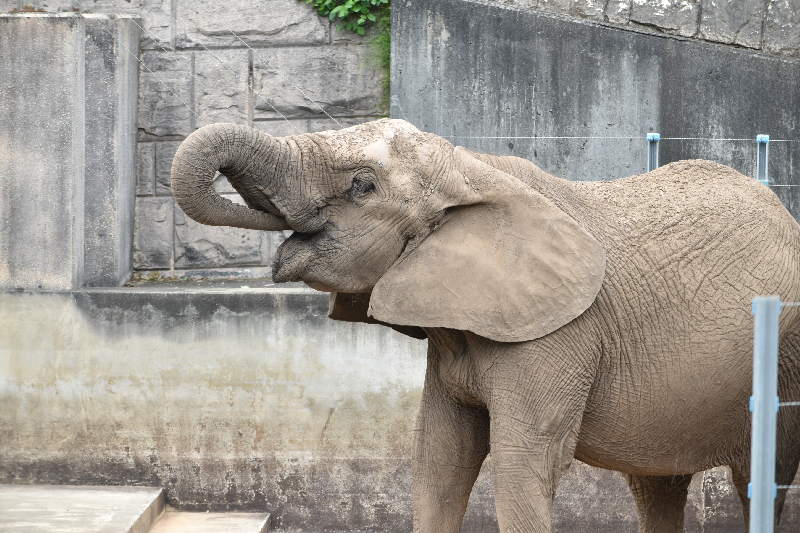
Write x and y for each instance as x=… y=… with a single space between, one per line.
x=762 y=170
x=764 y=405
x=652 y=150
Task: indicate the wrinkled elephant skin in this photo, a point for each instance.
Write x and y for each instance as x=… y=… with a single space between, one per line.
x=607 y=321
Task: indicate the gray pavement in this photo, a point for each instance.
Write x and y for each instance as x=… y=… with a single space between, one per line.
x=179 y=522
x=79 y=509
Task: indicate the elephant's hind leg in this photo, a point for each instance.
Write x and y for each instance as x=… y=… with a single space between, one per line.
x=660 y=501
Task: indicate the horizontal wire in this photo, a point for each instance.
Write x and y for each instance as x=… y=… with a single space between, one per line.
x=790 y=304
x=534 y=137
x=788 y=404
x=703 y=139
x=789 y=486
x=580 y=137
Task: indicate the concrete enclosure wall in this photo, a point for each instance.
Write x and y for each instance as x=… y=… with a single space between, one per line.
x=251 y=398
x=526 y=73
x=765 y=25
x=193 y=72
x=67 y=149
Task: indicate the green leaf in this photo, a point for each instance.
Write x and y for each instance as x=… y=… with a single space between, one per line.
x=354 y=14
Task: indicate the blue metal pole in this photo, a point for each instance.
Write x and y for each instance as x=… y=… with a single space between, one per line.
x=762 y=164
x=764 y=405
x=652 y=150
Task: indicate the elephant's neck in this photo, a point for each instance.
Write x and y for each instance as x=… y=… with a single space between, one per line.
x=571 y=198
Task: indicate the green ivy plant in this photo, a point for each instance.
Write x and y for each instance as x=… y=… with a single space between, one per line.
x=354 y=14
x=382 y=50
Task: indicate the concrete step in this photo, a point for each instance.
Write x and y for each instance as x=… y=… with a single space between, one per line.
x=183 y=522
x=79 y=509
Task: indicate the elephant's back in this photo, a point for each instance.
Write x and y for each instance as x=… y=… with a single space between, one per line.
x=688 y=191
x=688 y=247
x=699 y=215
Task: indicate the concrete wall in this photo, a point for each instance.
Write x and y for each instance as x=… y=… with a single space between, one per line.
x=67 y=149
x=250 y=398
x=765 y=25
x=528 y=73
x=195 y=72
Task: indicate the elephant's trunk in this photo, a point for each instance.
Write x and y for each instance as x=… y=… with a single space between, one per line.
x=248 y=158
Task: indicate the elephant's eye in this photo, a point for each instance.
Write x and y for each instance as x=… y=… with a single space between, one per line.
x=361 y=187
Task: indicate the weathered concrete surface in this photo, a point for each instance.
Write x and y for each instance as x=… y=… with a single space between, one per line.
x=155 y=229
x=251 y=399
x=67 y=182
x=41 y=151
x=766 y=25
x=268 y=23
x=525 y=73
x=112 y=86
x=181 y=522
x=82 y=509
x=165 y=94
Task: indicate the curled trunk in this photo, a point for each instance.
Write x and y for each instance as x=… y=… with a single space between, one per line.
x=247 y=157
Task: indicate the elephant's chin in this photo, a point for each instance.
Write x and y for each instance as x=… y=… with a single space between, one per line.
x=316 y=285
x=293 y=262
x=289 y=262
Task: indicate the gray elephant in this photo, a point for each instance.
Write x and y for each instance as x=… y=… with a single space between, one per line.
x=605 y=321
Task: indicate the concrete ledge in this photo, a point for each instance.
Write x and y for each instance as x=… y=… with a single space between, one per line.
x=178 y=522
x=79 y=509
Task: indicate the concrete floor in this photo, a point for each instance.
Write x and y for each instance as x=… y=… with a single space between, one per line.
x=180 y=522
x=78 y=509
x=85 y=509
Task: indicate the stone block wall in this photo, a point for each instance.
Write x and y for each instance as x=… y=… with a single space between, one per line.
x=194 y=71
x=767 y=25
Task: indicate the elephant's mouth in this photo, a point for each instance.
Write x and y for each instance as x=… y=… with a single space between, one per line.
x=292 y=259
x=319 y=261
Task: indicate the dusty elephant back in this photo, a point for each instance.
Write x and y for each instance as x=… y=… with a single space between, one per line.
x=688 y=247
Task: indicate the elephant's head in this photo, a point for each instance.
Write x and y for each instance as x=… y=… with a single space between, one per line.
x=431 y=235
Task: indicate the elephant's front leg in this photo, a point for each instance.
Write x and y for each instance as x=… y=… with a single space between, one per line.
x=450 y=443
x=535 y=420
x=527 y=464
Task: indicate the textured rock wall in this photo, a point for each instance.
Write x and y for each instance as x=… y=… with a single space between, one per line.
x=767 y=25
x=194 y=71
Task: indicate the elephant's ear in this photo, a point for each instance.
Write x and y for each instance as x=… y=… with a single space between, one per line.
x=511 y=269
x=352 y=307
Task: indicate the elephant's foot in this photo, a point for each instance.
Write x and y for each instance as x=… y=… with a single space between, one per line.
x=660 y=501
x=740 y=481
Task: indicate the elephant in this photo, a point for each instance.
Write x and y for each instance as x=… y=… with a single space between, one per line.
x=605 y=321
